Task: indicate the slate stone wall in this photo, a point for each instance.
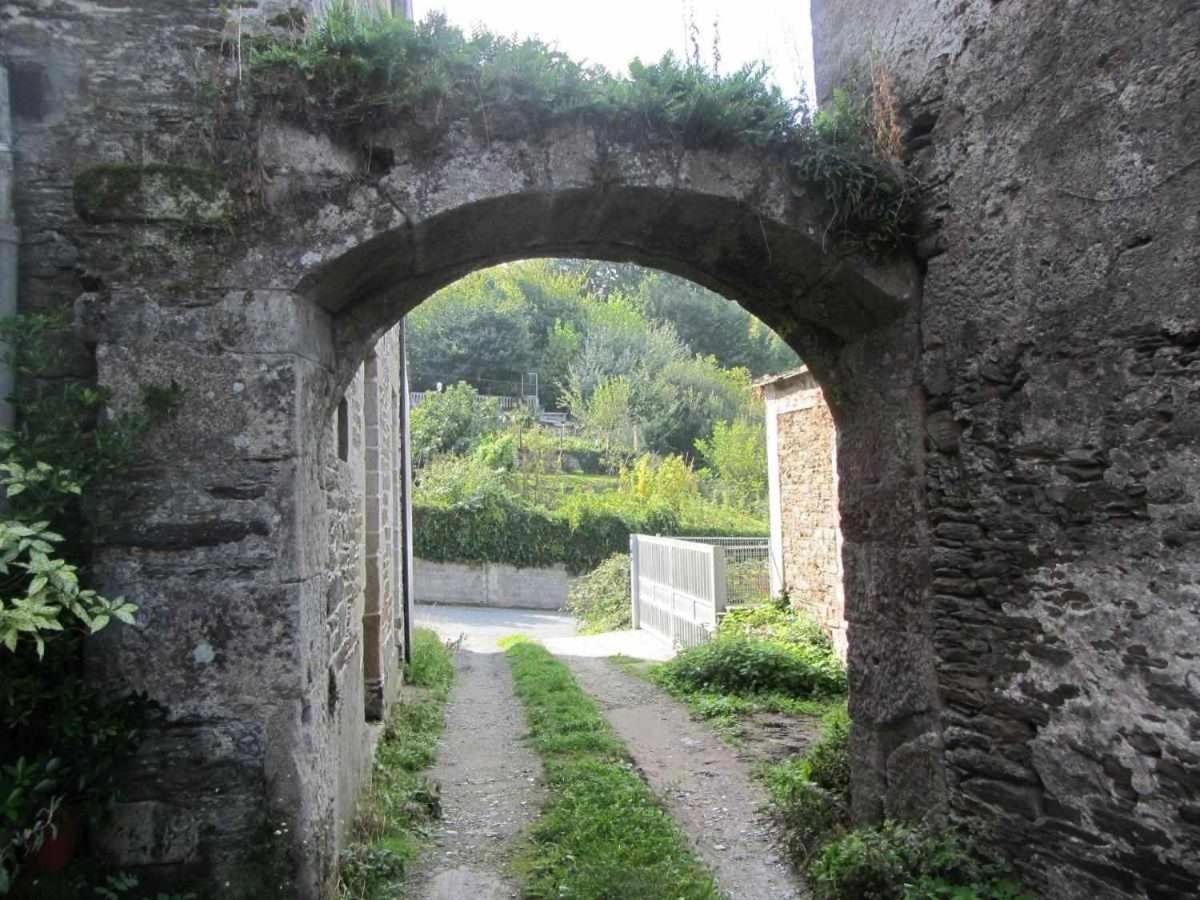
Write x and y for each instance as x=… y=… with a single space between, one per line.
x=1060 y=370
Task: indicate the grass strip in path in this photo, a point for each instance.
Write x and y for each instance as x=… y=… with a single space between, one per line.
x=394 y=812
x=603 y=834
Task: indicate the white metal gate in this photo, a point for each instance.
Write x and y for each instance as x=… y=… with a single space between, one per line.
x=677 y=587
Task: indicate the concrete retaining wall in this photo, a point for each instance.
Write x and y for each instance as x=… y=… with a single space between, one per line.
x=491 y=584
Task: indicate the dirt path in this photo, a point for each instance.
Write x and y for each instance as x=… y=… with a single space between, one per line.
x=491 y=786
x=704 y=784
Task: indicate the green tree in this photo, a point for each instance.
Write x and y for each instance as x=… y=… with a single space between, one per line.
x=710 y=325
x=736 y=458
x=476 y=330
x=607 y=415
x=451 y=421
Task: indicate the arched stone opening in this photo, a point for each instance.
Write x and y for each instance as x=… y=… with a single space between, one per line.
x=232 y=546
x=844 y=317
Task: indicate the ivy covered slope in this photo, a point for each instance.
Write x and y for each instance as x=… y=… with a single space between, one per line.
x=348 y=71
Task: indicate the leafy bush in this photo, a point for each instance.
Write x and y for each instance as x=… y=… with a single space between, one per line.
x=736 y=454
x=668 y=480
x=485 y=522
x=740 y=665
x=827 y=762
x=809 y=813
x=451 y=421
x=771 y=623
x=899 y=862
x=600 y=600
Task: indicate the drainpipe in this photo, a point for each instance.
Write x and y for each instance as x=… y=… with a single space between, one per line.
x=406 y=485
x=9 y=240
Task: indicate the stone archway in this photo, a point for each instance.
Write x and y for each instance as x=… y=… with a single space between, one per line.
x=1055 y=342
x=265 y=329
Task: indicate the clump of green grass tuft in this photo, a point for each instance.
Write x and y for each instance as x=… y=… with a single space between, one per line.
x=432 y=664
x=351 y=68
x=603 y=833
x=811 y=793
x=898 y=862
x=396 y=809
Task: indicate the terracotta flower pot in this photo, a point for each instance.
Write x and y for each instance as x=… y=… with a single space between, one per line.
x=59 y=847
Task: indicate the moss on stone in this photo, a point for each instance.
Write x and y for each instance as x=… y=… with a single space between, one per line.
x=123 y=192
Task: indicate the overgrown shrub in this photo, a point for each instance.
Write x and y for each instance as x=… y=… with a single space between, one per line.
x=740 y=665
x=809 y=813
x=898 y=862
x=451 y=421
x=350 y=69
x=769 y=622
x=827 y=762
x=811 y=793
x=466 y=513
x=600 y=600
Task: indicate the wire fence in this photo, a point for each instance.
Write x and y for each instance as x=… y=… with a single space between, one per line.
x=680 y=587
x=747 y=567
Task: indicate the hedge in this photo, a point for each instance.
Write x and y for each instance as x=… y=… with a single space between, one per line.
x=580 y=535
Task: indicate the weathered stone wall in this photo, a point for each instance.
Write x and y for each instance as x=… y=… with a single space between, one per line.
x=806 y=534
x=1061 y=372
x=234 y=534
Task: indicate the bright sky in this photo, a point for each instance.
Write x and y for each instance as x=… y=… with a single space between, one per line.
x=612 y=32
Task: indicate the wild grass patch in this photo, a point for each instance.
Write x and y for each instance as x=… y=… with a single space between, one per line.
x=604 y=833
x=899 y=862
x=400 y=803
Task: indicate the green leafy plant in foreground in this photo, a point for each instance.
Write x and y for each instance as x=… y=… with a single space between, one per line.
x=811 y=793
x=739 y=665
x=900 y=862
x=603 y=833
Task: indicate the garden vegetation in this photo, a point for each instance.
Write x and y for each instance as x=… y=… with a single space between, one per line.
x=63 y=735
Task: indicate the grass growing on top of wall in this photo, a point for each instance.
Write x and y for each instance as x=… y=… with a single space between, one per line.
x=350 y=69
x=603 y=833
x=400 y=803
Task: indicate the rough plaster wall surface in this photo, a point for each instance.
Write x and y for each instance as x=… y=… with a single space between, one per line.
x=1061 y=367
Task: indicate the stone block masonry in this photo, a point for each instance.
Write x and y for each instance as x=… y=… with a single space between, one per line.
x=805 y=522
x=1015 y=401
x=1060 y=382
